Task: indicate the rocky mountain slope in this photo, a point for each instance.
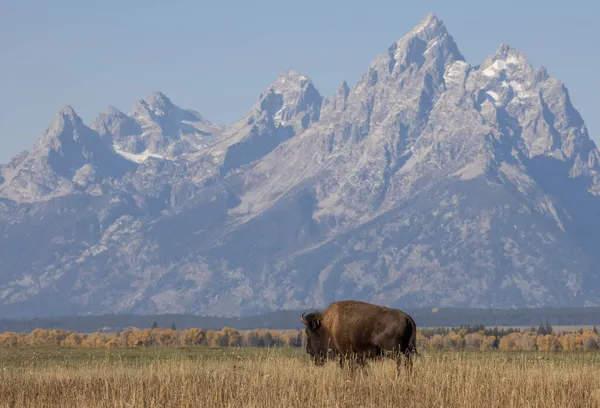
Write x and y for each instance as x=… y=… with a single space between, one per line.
x=430 y=182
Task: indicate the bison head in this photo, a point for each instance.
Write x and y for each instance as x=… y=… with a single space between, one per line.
x=316 y=338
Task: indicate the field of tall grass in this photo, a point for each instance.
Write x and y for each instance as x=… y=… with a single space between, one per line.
x=204 y=377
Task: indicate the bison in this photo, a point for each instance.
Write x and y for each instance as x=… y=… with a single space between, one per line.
x=356 y=331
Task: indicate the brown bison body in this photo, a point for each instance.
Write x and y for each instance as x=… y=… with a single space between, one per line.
x=358 y=330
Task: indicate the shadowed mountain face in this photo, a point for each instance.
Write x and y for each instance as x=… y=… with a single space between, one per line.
x=430 y=182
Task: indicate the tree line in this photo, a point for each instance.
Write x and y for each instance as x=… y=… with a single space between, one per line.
x=542 y=338
x=154 y=337
x=475 y=337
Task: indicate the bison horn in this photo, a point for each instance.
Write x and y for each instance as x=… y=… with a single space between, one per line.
x=303 y=319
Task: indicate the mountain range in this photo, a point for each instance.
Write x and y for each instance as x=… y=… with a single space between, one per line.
x=429 y=183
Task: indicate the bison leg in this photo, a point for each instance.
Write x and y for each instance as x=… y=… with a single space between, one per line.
x=404 y=358
x=354 y=361
x=351 y=362
x=408 y=364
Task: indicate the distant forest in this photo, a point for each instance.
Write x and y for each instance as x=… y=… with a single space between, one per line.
x=282 y=320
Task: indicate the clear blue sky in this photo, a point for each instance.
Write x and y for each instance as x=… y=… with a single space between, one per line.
x=217 y=57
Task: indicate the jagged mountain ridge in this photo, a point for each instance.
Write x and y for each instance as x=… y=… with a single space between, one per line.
x=430 y=182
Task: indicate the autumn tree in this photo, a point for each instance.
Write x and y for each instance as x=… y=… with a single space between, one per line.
x=508 y=342
x=473 y=341
x=73 y=340
x=453 y=340
x=10 y=339
x=590 y=341
x=548 y=342
x=437 y=341
x=194 y=337
x=488 y=343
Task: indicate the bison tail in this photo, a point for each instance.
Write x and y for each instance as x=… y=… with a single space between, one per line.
x=412 y=342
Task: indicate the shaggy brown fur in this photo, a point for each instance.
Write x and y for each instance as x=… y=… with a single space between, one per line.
x=358 y=330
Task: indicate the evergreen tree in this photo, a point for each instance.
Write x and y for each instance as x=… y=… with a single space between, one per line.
x=544 y=329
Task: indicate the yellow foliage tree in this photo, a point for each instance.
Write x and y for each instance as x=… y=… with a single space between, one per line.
x=453 y=341
x=473 y=341
x=549 y=342
x=422 y=341
x=590 y=341
x=487 y=343
x=194 y=337
x=73 y=340
x=437 y=342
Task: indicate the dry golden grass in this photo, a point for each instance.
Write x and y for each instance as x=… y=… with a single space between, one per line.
x=284 y=379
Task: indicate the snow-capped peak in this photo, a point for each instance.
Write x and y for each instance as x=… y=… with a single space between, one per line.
x=430 y=30
x=429 y=40
x=158 y=99
x=431 y=24
x=66 y=125
x=289 y=94
x=505 y=50
x=505 y=59
x=157 y=104
x=113 y=123
x=68 y=111
x=111 y=110
x=66 y=116
x=428 y=183
x=290 y=81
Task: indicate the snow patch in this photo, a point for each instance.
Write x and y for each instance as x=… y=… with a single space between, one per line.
x=500 y=65
x=517 y=87
x=493 y=95
x=520 y=91
x=489 y=72
x=494 y=69
x=513 y=60
x=430 y=45
x=547 y=207
x=138 y=157
x=455 y=72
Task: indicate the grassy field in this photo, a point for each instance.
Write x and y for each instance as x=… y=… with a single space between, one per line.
x=202 y=377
